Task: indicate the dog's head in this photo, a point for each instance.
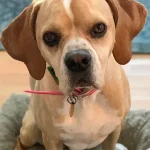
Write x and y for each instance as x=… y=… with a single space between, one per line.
x=75 y=37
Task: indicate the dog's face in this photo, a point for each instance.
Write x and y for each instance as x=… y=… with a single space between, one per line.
x=75 y=42
x=75 y=37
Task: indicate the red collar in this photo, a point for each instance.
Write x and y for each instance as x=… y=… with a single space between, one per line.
x=59 y=93
x=52 y=72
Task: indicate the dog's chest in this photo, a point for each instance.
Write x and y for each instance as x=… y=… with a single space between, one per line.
x=91 y=124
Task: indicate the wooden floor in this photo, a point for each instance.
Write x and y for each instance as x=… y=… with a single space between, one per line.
x=13 y=76
x=14 y=79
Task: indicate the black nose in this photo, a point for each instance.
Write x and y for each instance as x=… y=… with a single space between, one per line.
x=78 y=60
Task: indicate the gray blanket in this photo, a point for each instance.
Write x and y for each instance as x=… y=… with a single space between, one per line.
x=135 y=135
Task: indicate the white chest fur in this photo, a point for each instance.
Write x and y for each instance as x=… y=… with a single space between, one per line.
x=92 y=122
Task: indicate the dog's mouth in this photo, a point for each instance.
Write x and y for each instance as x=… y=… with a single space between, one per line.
x=82 y=87
x=81 y=90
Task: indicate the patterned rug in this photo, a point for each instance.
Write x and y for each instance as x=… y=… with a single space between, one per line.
x=9 y=9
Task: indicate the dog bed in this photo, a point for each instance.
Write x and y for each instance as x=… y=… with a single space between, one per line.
x=136 y=132
x=135 y=135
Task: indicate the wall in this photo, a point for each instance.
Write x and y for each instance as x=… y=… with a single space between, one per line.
x=9 y=9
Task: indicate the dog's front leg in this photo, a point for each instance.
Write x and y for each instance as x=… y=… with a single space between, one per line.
x=51 y=144
x=111 y=140
x=29 y=133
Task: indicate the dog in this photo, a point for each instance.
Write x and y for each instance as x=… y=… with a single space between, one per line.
x=85 y=42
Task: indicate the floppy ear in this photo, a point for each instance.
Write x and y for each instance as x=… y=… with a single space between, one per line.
x=129 y=17
x=19 y=40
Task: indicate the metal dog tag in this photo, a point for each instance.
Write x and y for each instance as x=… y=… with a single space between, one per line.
x=72 y=100
x=71 y=112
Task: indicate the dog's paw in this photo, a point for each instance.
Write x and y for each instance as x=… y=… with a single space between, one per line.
x=19 y=146
x=120 y=147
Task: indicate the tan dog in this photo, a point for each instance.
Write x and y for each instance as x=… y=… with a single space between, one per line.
x=84 y=41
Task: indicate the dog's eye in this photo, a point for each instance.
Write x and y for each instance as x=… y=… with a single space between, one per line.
x=98 y=30
x=51 y=39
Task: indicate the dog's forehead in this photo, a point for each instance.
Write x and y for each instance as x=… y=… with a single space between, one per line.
x=67 y=7
x=65 y=15
x=76 y=9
